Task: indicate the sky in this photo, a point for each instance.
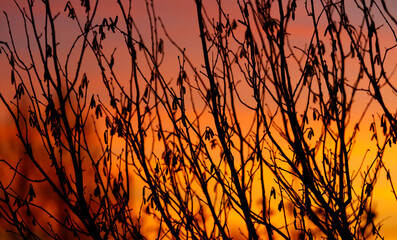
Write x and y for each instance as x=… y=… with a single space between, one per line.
x=179 y=18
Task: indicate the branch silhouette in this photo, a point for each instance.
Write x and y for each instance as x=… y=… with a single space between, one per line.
x=255 y=138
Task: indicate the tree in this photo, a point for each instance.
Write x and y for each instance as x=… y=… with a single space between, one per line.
x=262 y=130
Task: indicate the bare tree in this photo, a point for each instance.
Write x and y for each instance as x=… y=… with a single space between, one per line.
x=263 y=130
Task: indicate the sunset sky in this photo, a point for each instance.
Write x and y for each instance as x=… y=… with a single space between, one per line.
x=180 y=20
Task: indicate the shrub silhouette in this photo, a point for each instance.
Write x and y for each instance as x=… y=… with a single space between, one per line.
x=260 y=134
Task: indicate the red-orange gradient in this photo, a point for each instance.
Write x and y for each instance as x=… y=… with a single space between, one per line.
x=179 y=18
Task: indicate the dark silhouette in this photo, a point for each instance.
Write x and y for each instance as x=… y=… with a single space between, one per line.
x=261 y=132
